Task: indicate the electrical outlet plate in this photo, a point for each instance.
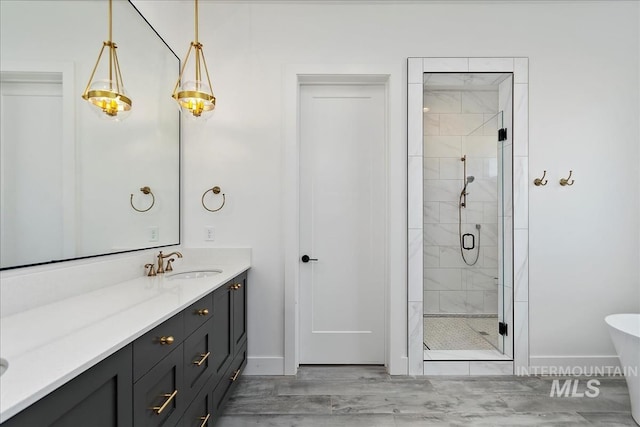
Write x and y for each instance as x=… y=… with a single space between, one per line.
x=154 y=233
x=208 y=234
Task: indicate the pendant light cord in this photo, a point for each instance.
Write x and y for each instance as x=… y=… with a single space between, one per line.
x=196 y=19
x=110 y=20
x=111 y=47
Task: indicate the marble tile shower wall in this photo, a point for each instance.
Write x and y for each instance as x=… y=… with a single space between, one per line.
x=460 y=123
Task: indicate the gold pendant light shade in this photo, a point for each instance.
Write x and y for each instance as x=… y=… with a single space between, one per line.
x=195 y=97
x=108 y=95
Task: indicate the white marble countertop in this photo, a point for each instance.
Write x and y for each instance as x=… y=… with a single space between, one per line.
x=49 y=345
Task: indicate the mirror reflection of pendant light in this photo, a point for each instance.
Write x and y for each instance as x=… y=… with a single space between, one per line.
x=195 y=96
x=108 y=95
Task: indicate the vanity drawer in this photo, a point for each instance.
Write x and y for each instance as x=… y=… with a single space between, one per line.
x=150 y=348
x=197 y=314
x=158 y=397
x=198 y=359
x=200 y=413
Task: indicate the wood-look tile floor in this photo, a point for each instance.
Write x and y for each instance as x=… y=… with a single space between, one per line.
x=366 y=396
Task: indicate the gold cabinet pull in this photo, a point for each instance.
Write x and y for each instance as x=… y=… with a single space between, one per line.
x=235 y=375
x=238 y=286
x=204 y=420
x=166 y=340
x=202 y=312
x=158 y=409
x=203 y=358
x=235 y=287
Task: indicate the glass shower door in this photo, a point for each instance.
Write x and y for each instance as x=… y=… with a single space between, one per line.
x=467 y=216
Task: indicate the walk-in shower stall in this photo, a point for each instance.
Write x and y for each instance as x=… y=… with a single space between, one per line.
x=467 y=213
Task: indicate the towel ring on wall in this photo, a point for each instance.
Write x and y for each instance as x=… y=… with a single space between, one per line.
x=214 y=190
x=145 y=190
x=565 y=181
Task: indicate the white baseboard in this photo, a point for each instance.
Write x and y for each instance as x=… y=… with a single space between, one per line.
x=264 y=366
x=577 y=365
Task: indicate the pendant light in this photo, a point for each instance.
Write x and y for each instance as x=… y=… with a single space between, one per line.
x=195 y=96
x=108 y=95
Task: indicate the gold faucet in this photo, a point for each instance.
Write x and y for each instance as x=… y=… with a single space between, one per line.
x=161 y=258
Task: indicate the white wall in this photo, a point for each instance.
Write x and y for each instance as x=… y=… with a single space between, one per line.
x=584 y=114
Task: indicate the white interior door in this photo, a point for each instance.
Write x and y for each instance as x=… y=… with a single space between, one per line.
x=342 y=223
x=31 y=152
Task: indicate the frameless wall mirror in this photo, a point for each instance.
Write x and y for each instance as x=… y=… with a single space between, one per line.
x=74 y=185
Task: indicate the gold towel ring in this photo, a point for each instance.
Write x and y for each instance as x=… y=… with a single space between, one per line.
x=214 y=190
x=145 y=190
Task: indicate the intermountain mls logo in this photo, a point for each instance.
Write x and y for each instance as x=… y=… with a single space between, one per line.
x=577 y=387
x=570 y=388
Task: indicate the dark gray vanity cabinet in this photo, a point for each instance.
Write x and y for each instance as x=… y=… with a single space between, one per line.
x=200 y=413
x=231 y=341
x=222 y=331
x=198 y=366
x=158 y=396
x=99 y=397
x=239 y=321
x=180 y=373
x=228 y=382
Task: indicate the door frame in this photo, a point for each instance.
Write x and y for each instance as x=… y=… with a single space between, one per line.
x=518 y=240
x=392 y=77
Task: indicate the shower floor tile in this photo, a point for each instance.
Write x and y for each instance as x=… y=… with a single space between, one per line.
x=460 y=333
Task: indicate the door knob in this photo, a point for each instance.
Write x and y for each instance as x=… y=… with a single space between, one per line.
x=305 y=258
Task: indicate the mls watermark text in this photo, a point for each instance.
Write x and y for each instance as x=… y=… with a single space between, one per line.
x=577 y=387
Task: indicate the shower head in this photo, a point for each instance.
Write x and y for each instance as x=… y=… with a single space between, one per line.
x=464 y=193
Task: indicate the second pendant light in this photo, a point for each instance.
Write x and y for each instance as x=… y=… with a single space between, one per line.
x=195 y=97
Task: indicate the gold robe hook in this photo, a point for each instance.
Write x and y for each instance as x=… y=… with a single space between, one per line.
x=565 y=181
x=540 y=181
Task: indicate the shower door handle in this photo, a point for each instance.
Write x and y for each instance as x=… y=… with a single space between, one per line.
x=305 y=258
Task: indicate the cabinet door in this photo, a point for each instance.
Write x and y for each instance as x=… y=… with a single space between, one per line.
x=158 y=397
x=239 y=329
x=99 y=397
x=198 y=366
x=228 y=381
x=222 y=339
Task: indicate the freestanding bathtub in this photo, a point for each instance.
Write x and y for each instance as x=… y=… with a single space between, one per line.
x=625 y=334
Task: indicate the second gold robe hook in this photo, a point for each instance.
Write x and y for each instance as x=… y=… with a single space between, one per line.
x=565 y=181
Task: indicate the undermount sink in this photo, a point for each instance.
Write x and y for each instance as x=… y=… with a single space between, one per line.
x=4 y=365
x=196 y=274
